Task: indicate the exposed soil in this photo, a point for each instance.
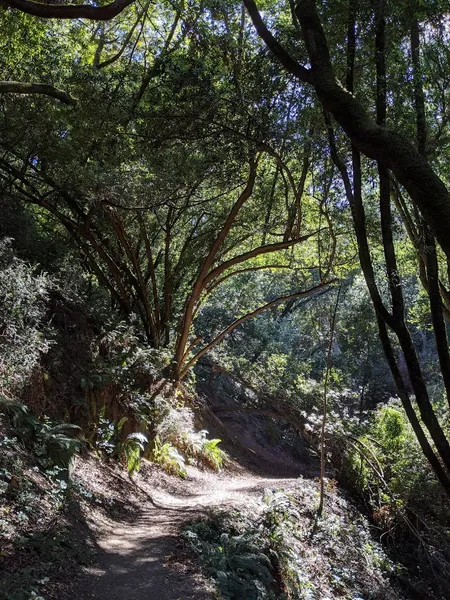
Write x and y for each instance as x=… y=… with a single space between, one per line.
x=127 y=532
x=137 y=560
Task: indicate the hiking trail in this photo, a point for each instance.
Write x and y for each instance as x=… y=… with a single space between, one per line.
x=135 y=559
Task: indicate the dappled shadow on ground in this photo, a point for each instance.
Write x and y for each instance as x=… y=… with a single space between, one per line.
x=134 y=549
x=250 y=450
x=46 y=559
x=243 y=438
x=135 y=562
x=140 y=571
x=262 y=445
x=135 y=556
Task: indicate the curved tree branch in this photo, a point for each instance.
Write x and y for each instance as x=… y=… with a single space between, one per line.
x=216 y=283
x=275 y=47
x=246 y=270
x=68 y=11
x=201 y=280
x=266 y=249
x=247 y=316
x=18 y=87
x=380 y=143
x=118 y=54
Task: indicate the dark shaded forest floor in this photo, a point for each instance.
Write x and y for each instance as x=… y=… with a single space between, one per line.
x=145 y=558
x=119 y=538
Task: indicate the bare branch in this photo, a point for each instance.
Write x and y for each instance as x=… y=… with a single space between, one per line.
x=18 y=87
x=68 y=11
x=247 y=316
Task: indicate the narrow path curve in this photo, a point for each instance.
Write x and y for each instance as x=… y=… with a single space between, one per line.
x=134 y=559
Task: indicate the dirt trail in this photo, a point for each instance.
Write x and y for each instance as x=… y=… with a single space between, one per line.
x=134 y=559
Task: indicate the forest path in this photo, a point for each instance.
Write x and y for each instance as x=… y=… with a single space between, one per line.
x=138 y=560
x=135 y=560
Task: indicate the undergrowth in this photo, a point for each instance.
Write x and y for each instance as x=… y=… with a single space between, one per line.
x=35 y=494
x=177 y=428
x=136 y=413
x=278 y=550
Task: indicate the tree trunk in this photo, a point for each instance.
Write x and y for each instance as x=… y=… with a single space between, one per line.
x=399 y=155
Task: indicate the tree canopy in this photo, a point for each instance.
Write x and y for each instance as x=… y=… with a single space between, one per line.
x=215 y=169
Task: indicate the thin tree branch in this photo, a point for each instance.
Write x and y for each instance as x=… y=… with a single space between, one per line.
x=275 y=47
x=118 y=54
x=247 y=316
x=253 y=254
x=246 y=270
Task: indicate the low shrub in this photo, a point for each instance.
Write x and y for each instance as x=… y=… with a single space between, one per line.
x=386 y=463
x=131 y=450
x=178 y=428
x=52 y=443
x=278 y=549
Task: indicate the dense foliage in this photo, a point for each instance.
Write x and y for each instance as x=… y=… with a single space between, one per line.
x=252 y=191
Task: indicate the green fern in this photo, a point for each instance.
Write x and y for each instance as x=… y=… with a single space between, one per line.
x=169 y=458
x=197 y=445
x=51 y=442
x=240 y=564
x=212 y=455
x=54 y=444
x=131 y=450
x=16 y=411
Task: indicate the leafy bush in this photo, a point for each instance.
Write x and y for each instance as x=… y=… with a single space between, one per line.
x=210 y=453
x=51 y=442
x=53 y=445
x=236 y=554
x=23 y=297
x=386 y=464
x=279 y=550
x=108 y=434
x=125 y=360
x=178 y=428
x=389 y=446
x=34 y=499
